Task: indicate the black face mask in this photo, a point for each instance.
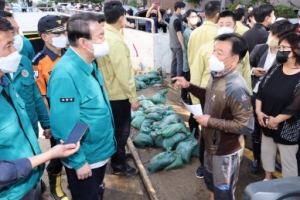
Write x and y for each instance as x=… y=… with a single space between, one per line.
x=153 y=15
x=97 y=10
x=198 y=24
x=282 y=56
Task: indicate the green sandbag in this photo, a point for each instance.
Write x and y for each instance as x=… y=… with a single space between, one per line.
x=168 y=112
x=153 y=116
x=171 y=129
x=195 y=152
x=178 y=163
x=173 y=141
x=153 y=73
x=171 y=119
x=186 y=147
x=161 y=161
x=158 y=80
x=136 y=113
x=137 y=121
x=146 y=104
x=146 y=126
x=137 y=88
x=159 y=97
x=155 y=125
x=157 y=139
x=140 y=84
x=142 y=97
x=143 y=140
x=155 y=109
x=143 y=78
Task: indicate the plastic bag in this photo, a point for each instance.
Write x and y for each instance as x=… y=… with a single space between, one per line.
x=146 y=126
x=143 y=78
x=143 y=140
x=171 y=119
x=171 y=129
x=157 y=139
x=161 y=161
x=153 y=73
x=137 y=121
x=168 y=112
x=136 y=113
x=196 y=151
x=159 y=97
x=155 y=125
x=153 y=116
x=156 y=81
x=173 y=141
x=156 y=109
x=186 y=147
x=178 y=163
x=146 y=104
x=140 y=84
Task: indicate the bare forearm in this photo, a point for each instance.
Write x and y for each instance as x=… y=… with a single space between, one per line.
x=46 y=104
x=40 y=159
x=280 y=118
x=258 y=106
x=180 y=38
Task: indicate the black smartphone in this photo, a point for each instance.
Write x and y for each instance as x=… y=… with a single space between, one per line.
x=76 y=133
x=261 y=71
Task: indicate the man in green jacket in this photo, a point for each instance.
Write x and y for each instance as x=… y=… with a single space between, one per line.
x=24 y=82
x=17 y=137
x=77 y=95
x=21 y=43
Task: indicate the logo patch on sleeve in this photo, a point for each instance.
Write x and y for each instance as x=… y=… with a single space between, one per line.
x=66 y=100
x=244 y=98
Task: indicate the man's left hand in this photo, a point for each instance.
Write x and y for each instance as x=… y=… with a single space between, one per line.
x=202 y=119
x=47 y=133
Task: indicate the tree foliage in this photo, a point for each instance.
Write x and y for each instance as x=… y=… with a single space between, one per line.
x=194 y=2
x=284 y=11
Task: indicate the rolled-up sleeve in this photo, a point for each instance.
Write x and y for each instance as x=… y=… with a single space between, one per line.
x=11 y=171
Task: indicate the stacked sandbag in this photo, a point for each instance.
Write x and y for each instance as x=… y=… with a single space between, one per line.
x=161 y=127
x=151 y=78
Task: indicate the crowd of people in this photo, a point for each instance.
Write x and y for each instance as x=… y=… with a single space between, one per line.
x=243 y=67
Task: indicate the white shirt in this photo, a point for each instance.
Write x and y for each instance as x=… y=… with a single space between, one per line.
x=268 y=63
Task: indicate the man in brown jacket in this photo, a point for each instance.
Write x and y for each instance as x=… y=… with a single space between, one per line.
x=227 y=115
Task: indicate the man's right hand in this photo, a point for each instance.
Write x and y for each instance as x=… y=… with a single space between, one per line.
x=84 y=172
x=180 y=82
x=135 y=106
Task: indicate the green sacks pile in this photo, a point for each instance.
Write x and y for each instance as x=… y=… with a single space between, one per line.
x=151 y=78
x=161 y=127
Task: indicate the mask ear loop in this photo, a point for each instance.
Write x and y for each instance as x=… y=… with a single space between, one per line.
x=228 y=66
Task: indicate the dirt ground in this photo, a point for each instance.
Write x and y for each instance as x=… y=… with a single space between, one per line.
x=179 y=184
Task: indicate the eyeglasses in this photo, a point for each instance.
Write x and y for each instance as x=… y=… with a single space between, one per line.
x=282 y=47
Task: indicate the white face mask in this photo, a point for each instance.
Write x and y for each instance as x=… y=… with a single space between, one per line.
x=18 y=42
x=274 y=19
x=193 y=21
x=10 y=63
x=224 y=30
x=215 y=64
x=100 y=50
x=60 y=41
x=253 y=20
x=182 y=12
x=250 y=9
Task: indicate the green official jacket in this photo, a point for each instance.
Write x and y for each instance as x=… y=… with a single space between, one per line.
x=27 y=49
x=23 y=80
x=77 y=97
x=17 y=140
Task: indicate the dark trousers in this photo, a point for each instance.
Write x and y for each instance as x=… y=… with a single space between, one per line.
x=177 y=62
x=35 y=193
x=256 y=134
x=55 y=165
x=86 y=189
x=122 y=116
x=201 y=150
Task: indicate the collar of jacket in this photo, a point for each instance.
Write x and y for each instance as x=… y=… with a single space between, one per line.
x=112 y=29
x=258 y=25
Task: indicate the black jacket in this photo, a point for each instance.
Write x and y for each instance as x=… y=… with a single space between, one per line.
x=258 y=58
x=256 y=35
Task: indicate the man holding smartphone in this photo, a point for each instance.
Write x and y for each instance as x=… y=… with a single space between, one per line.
x=153 y=13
